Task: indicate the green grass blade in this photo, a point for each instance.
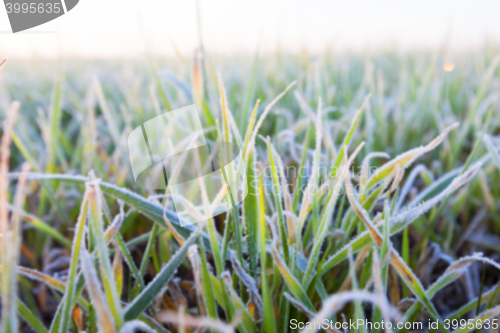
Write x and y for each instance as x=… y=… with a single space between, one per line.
x=400 y=221
x=147 y=208
x=55 y=118
x=269 y=317
x=10 y=230
x=97 y=225
x=492 y=150
x=149 y=249
x=326 y=217
x=477 y=322
x=479 y=140
x=142 y=301
x=75 y=258
x=249 y=93
x=104 y=317
x=248 y=134
x=52 y=283
x=208 y=290
x=478 y=99
x=347 y=139
x=247 y=322
x=278 y=203
x=292 y=283
x=44 y=227
x=405 y=159
x=300 y=177
x=250 y=213
x=31 y=319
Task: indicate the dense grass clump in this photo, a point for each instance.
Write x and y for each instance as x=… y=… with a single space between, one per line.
x=372 y=194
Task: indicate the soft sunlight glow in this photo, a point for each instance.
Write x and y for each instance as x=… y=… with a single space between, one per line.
x=448 y=66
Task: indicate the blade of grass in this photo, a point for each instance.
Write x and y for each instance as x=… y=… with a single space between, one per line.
x=149 y=209
x=247 y=323
x=400 y=221
x=396 y=261
x=104 y=317
x=249 y=93
x=234 y=211
x=347 y=139
x=118 y=270
x=79 y=237
x=97 y=225
x=326 y=217
x=478 y=99
x=278 y=202
x=49 y=281
x=405 y=159
x=300 y=177
x=31 y=319
x=478 y=320
x=208 y=291
x=492 y=150
x=269 y=317
x=250 y=213
x=312 y=184
x=142 y=301
x=268 y=108
x=10 y=232
x=292 y=283
x=452 y=273
x=42 y=226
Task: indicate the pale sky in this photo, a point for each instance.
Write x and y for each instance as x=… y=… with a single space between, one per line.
x=111 y=28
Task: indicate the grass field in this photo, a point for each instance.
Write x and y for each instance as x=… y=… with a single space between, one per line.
x=410 y=141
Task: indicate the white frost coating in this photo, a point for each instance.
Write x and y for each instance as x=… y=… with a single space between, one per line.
x=408 y=157
x=401 y=220
x=419 y=169
x=415 y=212
x=366 y=164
